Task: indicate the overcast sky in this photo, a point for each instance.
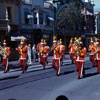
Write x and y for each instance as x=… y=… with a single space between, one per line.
x=97 y=5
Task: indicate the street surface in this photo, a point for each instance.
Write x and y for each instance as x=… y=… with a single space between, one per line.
x=39 y=84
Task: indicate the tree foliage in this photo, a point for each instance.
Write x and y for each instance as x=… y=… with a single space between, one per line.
x=71 y=16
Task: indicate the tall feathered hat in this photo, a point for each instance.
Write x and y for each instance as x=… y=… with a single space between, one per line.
x=71 y=40
x=80 y=38
x=22 y=41
x=96 y=40
x=42 y=41
x=4 y=42
x=60 y=40
x=54 y=39
x=75 y=38
x=91 y=40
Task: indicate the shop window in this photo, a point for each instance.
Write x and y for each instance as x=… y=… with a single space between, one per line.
x=26 y=13
x=47 y=20
x=40 y=18
x=35 y=18
x=9 y=13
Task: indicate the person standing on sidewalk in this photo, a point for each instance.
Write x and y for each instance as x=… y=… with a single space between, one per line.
x=23 y=49
x=6 y=54
x=34 y=52
x=29 y=54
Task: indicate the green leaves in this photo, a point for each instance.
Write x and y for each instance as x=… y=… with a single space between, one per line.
x=71 y=16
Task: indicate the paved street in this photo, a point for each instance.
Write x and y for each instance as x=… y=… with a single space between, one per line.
x=38 y=84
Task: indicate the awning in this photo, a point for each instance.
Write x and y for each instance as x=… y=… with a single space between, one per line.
x=18 y=38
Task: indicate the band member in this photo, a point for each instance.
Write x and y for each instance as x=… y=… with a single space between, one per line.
x=40 y=50
x=91 y=50
x=23 y=49
x=62 y=51
x=44 y=54
x=76 y=53
x=71 y=50
x=6 y=54
x=56 y=56
x=39 y=47
x=95 y=43
x=48 y=50
x=97 y=53
x=74 y=47
x=81 y=60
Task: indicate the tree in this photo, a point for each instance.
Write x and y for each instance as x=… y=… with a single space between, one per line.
x=71 y=16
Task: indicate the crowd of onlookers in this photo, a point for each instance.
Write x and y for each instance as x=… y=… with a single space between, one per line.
x=32 y=53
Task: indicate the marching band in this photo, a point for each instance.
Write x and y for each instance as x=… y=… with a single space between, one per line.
x=77 y=52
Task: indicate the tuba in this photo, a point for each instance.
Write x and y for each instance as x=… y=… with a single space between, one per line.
x=77 y=50
x=3 y=52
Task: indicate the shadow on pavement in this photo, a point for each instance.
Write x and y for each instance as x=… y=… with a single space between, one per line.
x=87 y=68
x=90 y=74
x=13 y=77
x=68 y=72
x=12 y=99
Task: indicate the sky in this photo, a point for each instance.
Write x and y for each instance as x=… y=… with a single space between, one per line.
x=97 y=5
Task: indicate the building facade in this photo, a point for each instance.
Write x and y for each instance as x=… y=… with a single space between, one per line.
x=26 y=22
x=9 y=18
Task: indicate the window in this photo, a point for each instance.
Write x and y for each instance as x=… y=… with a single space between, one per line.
x=47 y=20
x=26 y=13
x=9 y=13
x=40 y=18
x=35 y=18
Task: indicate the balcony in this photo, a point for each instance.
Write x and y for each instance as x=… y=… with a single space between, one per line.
x=3 y=24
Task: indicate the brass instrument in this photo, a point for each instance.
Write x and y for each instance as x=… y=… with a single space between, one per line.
x=91 y=49
x=53 y=47
x=77 y=50
x=40 y=52
x=96 y=51
x=3 y=52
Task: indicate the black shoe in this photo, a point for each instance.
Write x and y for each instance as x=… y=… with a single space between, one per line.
x=5 y=71
x=23 y=72
x=26 y=67
x=79 y=78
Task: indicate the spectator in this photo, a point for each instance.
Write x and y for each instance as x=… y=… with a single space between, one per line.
x=29 y=54
x=34 y=52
